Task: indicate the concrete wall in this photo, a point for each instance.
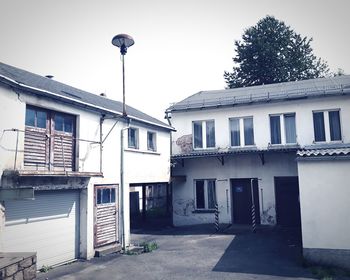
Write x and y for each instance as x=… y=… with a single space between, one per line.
x=140 y=165
x=240 y=166
x=324 y=201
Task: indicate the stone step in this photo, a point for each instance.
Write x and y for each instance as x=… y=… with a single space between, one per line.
x=107 y=249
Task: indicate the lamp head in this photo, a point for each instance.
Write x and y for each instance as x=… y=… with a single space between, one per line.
x=123 y=41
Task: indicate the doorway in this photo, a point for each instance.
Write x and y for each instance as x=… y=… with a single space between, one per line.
x=287 y=201
x=242 y=200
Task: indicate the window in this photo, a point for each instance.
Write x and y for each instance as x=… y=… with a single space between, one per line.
x=49 y=140
x=133 y=135
x=151 y=141
x=242 y=124
x=204 y=134
x=285 y=123
x=327 y=130
x=205 y=194
x=105 y=195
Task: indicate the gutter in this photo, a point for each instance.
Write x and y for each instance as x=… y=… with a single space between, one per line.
x=80 y=102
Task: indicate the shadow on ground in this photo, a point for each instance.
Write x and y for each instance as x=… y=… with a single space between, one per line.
x=270 y=251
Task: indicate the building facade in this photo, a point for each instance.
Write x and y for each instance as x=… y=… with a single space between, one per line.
x=238 y=148
x=63 y=152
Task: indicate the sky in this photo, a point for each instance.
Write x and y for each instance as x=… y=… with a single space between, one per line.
x=181 y=46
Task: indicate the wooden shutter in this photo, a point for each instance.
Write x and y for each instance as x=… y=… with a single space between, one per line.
x=36 y=148
x=63 y=151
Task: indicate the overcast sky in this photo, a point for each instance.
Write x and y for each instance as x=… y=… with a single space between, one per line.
x=181 y=46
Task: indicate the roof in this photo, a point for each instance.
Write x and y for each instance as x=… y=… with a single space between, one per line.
x=50 y=88
x=233 y=151
x=325 y=150
x=265 y=93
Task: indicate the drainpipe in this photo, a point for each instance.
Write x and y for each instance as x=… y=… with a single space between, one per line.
x=101 y=135
x=122 y=187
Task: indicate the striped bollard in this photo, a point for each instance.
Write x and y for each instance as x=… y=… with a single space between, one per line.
x=216 y=217
x=253 y=219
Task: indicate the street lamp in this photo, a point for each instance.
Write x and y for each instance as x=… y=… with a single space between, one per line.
x=123 y=41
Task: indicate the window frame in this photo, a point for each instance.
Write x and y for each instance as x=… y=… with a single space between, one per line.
x=136 y=146
x=154 y=139
x=204 y=135
x=205 y=194
x=241 y=132
x=50 y=158
x=283 y=128
x=327 y=126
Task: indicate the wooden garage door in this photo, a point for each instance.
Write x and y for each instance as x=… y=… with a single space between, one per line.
x=48 y=225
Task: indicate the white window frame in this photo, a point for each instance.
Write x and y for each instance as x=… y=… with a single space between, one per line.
x=241 y=131
x=204 y=134
x=136 y=138
x=327 y=127
x=205 y=193
x=154 y=139
x=283 y=128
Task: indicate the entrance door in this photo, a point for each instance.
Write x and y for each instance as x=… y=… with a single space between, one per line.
x=106 y=214
x=287 y=201
x=242 y=201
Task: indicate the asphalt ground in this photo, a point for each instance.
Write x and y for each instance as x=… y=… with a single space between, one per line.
x=197 y=252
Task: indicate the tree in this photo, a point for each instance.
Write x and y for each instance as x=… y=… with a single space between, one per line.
x=271 y=52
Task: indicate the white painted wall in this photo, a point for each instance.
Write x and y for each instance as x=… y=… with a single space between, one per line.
x=245 y=166
x=140 y=166
x=182 y=121
x=239 y=166
x=325 y=204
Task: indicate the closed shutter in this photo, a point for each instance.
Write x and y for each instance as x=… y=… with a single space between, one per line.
x=63 y=151
x=48 y=225
x=36 y=147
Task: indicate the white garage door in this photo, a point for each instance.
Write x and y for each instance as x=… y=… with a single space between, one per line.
x=48 y=225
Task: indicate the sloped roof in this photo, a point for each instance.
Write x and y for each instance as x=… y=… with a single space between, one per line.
x=265 y=93
x=325 y=150
x=48 y=87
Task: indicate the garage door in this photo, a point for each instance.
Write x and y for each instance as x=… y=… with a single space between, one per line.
x=48 y=225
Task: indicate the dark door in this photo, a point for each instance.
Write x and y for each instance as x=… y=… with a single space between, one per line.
x=287 y=201
x=242 y=201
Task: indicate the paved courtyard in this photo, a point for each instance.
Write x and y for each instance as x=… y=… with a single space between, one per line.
x=198 y=253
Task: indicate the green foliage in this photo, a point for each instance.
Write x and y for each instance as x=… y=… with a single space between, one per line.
x=45 y=268
x=271 y=52
x=149 y=247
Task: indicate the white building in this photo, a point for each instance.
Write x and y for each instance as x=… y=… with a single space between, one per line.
x=60 y=151
x=231 y=143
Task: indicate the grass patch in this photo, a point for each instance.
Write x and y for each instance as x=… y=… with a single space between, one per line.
x=45 y=268
x=328 y=273
x=149 y=246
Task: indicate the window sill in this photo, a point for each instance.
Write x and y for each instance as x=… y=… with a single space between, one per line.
x=141 y=152
x=203 y=211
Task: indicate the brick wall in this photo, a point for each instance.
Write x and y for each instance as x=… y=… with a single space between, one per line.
x=17 y=266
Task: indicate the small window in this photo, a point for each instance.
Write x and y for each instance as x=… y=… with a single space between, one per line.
x=64 y=123
x=242 y=139
x=133 y=138
x=205 y=194
x=59 y=122
x=204 y=134
x=151 y=141
x=36 y=118
x=333 y=128
x=283 y=129
x=105 y=195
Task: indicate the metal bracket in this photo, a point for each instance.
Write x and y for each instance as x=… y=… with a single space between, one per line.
x=221 y=159
x=262 y=158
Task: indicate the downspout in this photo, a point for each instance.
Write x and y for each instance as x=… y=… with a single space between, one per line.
x=101 y=135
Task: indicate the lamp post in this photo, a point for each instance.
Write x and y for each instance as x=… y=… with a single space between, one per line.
x=122 y=41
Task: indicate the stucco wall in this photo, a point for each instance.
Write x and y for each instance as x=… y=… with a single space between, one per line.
x=325 y=203
x=239 y=166
x=182 y=121
x=140 y=166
